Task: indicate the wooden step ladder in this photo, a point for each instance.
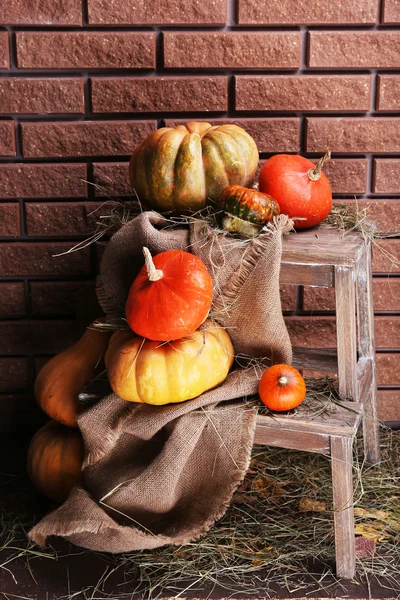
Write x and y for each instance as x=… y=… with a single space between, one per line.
x=325 y=257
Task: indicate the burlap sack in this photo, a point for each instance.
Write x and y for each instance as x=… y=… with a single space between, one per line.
x=160 y=475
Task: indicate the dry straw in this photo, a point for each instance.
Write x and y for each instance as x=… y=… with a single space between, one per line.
x=278 y=530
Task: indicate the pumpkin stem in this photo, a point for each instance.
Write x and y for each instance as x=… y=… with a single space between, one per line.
x=283 y=380
x=152 y=273
x=315 y=174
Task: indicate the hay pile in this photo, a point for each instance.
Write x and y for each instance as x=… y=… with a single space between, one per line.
x=277 y=532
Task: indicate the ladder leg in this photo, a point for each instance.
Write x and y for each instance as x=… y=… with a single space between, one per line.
x=345 y=293
x=366 y=344
x=342 y=482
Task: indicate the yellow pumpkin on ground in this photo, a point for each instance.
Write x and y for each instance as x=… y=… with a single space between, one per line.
x=141 y=370
x=179 y=169
x=55 y=458
x=63 y=377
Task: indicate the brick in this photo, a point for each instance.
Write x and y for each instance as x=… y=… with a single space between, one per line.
x=380 y=135
x=384 y=213
x=43 y=12
x=159 y=94
x=62 y=218
x=386 y=176
x=288 y=12
x=320 y=332
x=386 y=296
x=391 y=11
x=318 y=299
x=354 y=49
x=42 y=180
x=347 y=176
x=288 y=297
x=312 y=332
x=387 y=332
x=56 y=297
x=20 y=412
x=85 y=138
x=304 y=92
x=111 y=179
x=12 y=299
x=388 y=93
x=232 y=50
x=386 y=256
x=36 y=337
x=4 y=50
x=28 y=96
x=389 y=405
x=7 y=138
x=388 y=369
x=39 y=362
x=386 y=292
x=14 y=374
x=270 y=135
x=147 y=12
x=38 y=259
x=9 y=220
x=86 y=50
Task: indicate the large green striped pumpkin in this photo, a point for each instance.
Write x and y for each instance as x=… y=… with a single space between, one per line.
x=181 y=168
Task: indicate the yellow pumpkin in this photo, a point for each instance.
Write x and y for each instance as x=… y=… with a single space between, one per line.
x=179 y=169
x=63 y=377
x=55 y=458
x=141 y=370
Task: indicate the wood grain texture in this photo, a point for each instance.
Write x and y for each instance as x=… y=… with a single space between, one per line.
x=342 y=483
x=346 y=331
x=366 y=345
x=282 y=438
x=342 y=420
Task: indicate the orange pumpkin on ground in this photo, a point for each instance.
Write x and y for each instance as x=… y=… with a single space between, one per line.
x=170 y=297
x=55 y=458
x=141 y=370
x=63 y=377
x=179 y=169
x=282 y=388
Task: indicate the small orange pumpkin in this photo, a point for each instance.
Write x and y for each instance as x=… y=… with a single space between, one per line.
x=281 y=388
x=170 y=297
x=55 y=458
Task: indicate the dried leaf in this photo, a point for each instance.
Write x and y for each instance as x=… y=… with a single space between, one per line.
x=310 y=505
x=365 y=547
x=266 y=487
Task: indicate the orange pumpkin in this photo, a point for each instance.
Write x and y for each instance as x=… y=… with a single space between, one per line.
x=179 y=169
x=301 y=189
x=63 y=377
x=282 y=387
x=55 y=458
x=170 y=297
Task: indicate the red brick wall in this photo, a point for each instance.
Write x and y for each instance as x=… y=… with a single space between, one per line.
x=82 y=82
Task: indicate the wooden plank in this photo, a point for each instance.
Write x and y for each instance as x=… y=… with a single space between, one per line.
x=346 y=331
x=341 y=420
x=306 y=273
x=366 y=342
x=342 y=483
x=324 y=245
x=282 y=438
x=365 y=305
x=316 y=360
x=364 y=376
